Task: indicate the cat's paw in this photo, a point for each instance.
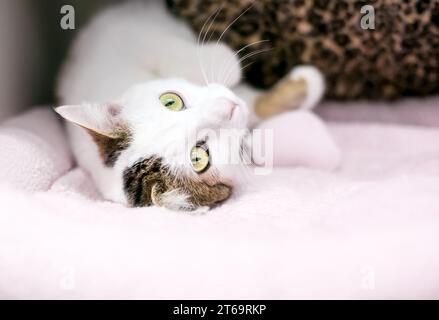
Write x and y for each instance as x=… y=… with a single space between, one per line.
x=315 y=84
x=220 y=64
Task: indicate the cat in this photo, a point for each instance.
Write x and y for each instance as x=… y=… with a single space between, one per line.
x=147 y=103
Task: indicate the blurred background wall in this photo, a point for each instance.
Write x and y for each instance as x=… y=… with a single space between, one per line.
x=32 y=48
x=20 y=55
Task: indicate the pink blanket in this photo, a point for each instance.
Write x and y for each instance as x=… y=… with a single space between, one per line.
x=368 y=230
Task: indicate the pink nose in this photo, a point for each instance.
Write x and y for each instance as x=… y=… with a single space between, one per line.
x=224 y=108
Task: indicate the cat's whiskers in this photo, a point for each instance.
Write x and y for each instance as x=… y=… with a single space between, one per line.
x=226 y=83
x=202 y=44
x=236 y=19
x=226 y=66
x=233 y=22
x=210 y=37
x=246 y=163
x=243 y=175
x=249 y=55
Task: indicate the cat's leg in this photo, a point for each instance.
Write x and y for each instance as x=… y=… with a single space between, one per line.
x=303 y=88
x=299 y=92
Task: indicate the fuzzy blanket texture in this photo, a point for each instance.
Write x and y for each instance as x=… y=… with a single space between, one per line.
x=368 y=229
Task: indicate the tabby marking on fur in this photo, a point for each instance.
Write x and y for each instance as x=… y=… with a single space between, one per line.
x=150 y=182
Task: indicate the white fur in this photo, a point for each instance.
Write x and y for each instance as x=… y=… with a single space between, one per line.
x=157 y=131
x=117 y=59
x=133 y=43
x=138 y=43
x=176 y=200
x=315 y=81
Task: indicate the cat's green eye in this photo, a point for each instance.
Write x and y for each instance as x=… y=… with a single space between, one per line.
x=200 y=158
x=172 y=101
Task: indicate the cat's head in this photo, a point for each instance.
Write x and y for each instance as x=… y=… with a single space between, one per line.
x=173 y=143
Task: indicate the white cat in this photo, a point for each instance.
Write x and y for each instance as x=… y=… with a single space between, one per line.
x=147 y=113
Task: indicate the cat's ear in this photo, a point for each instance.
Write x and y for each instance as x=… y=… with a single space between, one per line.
x=104 y=124
x=102 y=119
